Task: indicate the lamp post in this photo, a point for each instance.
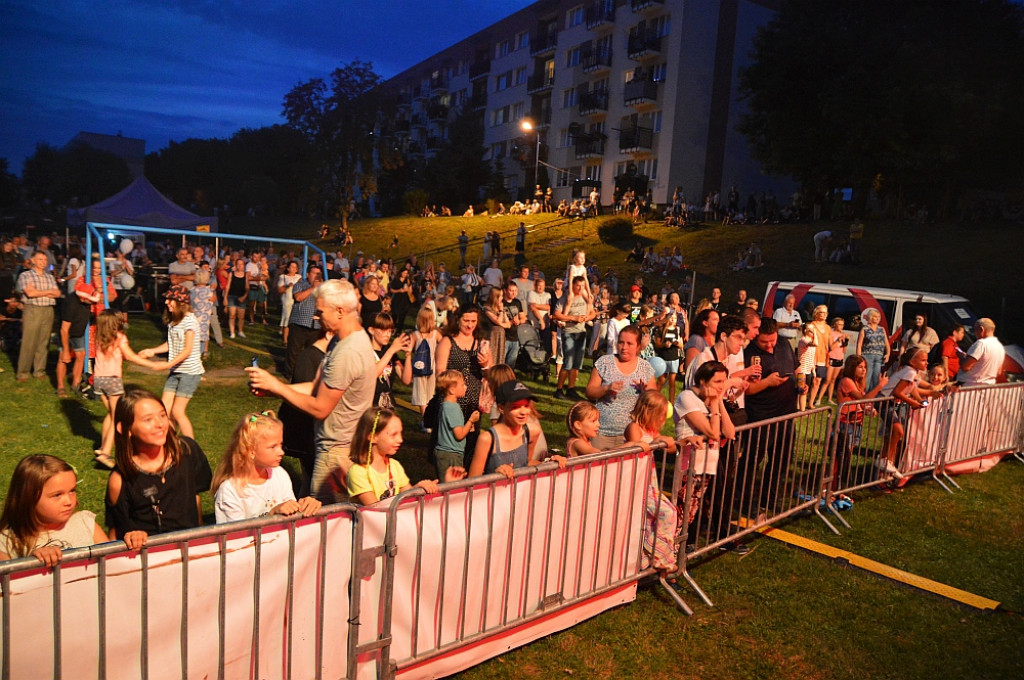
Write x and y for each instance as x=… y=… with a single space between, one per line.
x=528 y=126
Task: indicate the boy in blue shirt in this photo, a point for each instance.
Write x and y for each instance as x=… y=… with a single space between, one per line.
x=452 y=427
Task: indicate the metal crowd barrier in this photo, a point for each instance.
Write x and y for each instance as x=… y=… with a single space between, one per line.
x=417 y=587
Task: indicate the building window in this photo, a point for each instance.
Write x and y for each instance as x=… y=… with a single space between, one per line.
x=499 y=116
x=562 y=178
x=593 y=172
x=574 y=17
x=569 y=98
x=502 y=49
x=659 y=72
x=660 y=26
x=574 y=172
x=462 y=67
x=517 y=111
x=572 y=57
x=600 y=85
x=520 y=75
x=563 y=138
x=503 y=81
x=656 y=121
x=522 y=40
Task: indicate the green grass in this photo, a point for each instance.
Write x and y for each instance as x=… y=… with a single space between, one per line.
x=780 y=612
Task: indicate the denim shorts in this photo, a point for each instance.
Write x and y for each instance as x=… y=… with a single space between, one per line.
x=235 y=303
x=183 y=385
x=671 y=366
x=572 y=349
x=77 y=344
x=108 y=385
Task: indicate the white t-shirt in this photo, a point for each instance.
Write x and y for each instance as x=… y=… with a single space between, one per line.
x=733 y=363
x=990 y=355
x=493 y=277
x=253 y=500
x=193 y=363
x=782 y=315
x=614 y=327
x=687 y=401
x=908 y=373
x=535 y=298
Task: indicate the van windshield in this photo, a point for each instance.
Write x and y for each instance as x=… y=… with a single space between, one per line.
x=948 y=314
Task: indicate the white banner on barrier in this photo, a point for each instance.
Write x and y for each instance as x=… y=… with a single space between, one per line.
x=31 y=602
x=473 y=563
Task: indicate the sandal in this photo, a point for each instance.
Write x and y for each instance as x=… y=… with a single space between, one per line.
x=62 y=393
x=103 y=459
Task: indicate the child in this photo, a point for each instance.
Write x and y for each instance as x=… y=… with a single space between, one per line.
x=510 y=443
x=419 y=360
x=661 y=517
x=582 y=421
x=39 y=515
x=805 y=350
x=156 y=485
x=496 y=376
x=183 y=356
x=250 y=481
x=852 y=387
x=111 y=349
x=375 y=474
x=619 y=321
x=452 y=427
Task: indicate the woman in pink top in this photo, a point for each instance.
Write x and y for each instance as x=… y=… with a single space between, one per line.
x=836 y=352
x=111 y=350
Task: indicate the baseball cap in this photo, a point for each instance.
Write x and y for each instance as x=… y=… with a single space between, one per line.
x=513 y=391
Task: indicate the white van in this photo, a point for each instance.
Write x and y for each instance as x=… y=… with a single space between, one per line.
x=898 y=307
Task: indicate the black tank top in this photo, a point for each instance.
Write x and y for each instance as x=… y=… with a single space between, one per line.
x=237 y=285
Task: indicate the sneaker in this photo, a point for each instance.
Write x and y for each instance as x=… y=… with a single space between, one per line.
x=241 y=334
x=232 y=336
x=559 y=394
x=740 y=549
x=573 y=394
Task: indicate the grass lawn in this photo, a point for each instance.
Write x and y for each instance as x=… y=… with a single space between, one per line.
x=780 y=612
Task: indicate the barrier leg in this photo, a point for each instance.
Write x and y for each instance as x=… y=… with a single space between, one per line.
x=674 y=594
x=696 y=588
x=1019 y=456
x=935 y=476
x=950 y=480
x=832 y=509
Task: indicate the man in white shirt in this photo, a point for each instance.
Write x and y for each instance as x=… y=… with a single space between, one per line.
x=789 y=321
x=985 y=358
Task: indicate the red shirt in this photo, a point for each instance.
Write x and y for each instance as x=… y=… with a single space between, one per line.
x=949 y=347
x=90 y=289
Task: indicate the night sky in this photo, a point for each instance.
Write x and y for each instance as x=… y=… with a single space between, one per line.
x=162 y=71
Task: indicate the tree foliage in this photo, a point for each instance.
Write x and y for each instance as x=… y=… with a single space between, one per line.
x=77 y=172
x=924 y=94
x=456 y=173
x=338 y=118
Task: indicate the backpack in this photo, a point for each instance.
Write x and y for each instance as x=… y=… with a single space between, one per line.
x=422 y=361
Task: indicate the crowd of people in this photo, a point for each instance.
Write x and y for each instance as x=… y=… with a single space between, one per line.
x=472 y=341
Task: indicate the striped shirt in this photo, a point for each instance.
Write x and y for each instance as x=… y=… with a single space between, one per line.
x=193 y=363
x=44 y=281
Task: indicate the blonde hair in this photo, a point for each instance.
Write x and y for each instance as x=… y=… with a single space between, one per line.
x=425 y=321
x=650 y=410
x=498 y=375
x=447 y=380
x=237 y=463
x=109 y=324
x=201 y=277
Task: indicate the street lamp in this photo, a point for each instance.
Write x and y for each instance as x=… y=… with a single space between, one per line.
x=528 y=126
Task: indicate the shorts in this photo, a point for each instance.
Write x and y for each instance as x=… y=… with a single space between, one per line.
x=108 y=385
x=671 y=366
x=892 y=412
x=235 y=303
x=77 y=344
x=835 y=363
x=183 y=385
x=573 y=346
x=448 y=459
x=257 y=295
x=821 y=371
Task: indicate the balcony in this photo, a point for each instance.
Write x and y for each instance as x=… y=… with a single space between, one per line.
x=596 y=60
x=420 y=94
x=542 y=44
x=437 y=112
x=439 y=84
x=636 y=138
x=479 y=69
x=434 y=143
x=401 y=127
x=541 y=115
x=478 y=101
x=643 y=6
x=414 y=149
x=593 y=102
x=640 y=92
x=589 y=146
x=539 y=83
x=405 y=100
x=643 y=44
x=418 y=121
x=601 y=14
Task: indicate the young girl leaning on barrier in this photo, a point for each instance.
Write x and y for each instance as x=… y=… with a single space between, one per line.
x=852 y=387
x=250 y=481
x=376 y=475
x=39 y=516
x=661 y=516
x=583 y=422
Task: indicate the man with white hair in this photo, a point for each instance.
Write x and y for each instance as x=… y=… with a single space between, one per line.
x=985 y=358
x=341 y=392
x=789 y=320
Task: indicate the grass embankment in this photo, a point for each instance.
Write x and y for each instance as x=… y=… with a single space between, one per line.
x=781 y=613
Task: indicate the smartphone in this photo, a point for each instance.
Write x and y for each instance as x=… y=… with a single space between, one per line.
x=254 y=362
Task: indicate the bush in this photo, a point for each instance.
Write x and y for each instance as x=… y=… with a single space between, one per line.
x=413 y=201
x=616 y=230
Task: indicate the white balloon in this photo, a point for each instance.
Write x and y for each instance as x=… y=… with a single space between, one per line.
x=126 y=246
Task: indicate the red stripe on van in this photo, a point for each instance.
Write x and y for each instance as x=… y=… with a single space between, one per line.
x=864 y=300
x=800 y=290
x=769 y=301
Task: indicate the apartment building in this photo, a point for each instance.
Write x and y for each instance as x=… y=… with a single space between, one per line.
x=599 y=94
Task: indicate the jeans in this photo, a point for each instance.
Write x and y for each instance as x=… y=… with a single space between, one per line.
x=511 y=351
x=874 y=362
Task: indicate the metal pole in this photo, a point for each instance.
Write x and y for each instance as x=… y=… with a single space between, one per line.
x=536 y=165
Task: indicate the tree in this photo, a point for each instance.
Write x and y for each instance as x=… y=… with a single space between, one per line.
x=892 y=92
x=338 y=120
x=76 y=171
x=10 y=187
x=456 y=173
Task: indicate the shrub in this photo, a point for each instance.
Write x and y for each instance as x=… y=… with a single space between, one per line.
x=413 y=201
x=616 y=230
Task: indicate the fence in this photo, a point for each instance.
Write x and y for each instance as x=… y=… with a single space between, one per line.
x=426 y=586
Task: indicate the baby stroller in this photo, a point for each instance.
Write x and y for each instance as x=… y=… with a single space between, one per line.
x=533 y=355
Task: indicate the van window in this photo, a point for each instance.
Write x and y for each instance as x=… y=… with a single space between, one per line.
x=846 y=308
x=948 y=314
x=808 y=303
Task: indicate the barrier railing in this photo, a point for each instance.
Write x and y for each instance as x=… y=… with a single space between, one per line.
x=426 y=586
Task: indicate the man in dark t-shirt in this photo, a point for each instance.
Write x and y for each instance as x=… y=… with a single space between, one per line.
x=517 y=315
x=773 y=396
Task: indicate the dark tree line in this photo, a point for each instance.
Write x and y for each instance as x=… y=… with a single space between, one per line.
x=923 y=98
